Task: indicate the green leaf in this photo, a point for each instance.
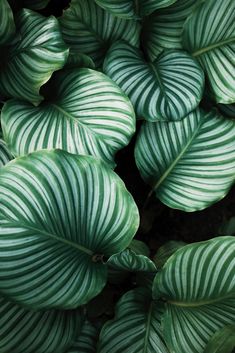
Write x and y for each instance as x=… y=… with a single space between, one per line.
x=223 y=341
x=167 y=89
x=86 y=341
x=198 y=284
x=88 y=114
x=60 y=213
x=163 y=29
x=136 y=327
x=128 y=260
x=209 y=35
x=91 y=30
x=5 y=155
x=227 y=110
x=25 y=331
x=130 y=9
x=30 y=62
x=190 y=164
x=139 y=247
x=7 y=25
x=165 y=251
x=78 y=60
x=35 y=4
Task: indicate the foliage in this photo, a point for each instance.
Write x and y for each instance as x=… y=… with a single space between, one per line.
x=74 y=91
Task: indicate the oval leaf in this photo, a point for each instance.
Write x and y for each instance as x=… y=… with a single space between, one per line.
x=30 y=62
x=136 y=327
x=88 y=114
x=59 y=214
x=25 y=331
x=130 y=9
x=128 y=260
x=198 y=284
x=190 y=164
x=7 y=25
x=167 y=89
x=209 y=35
x=91 y=30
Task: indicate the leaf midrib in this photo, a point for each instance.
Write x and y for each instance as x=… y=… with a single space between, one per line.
x=201 y=303
x=212 y=46
x=148 y=327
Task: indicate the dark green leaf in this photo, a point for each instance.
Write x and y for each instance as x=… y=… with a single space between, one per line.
x=7 y=25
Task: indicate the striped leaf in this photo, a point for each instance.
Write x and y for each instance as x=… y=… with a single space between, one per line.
x=198 y=284
x=86 y=341
x=165 y=251
x=130 y=9
x=91 y=30
x=88 y=114
x=167 y=89
x=25 y=331
x=35 y=4
x=227 y=110
x=209 y=35
x=77 y=60
x=128 y=260
x=136 y=327
x=30 y=62
x=189 y=164
x=223 y=341
x=163 y=29
x=5 y=155
x=7 y=25
x=60 y=213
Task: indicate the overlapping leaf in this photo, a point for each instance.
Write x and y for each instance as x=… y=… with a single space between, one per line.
x=165 y=251
x=35 y=4
x=163 y=29
x=5 y=155
x=87 y=114
x=7 y=25
x=25 y=331
x=29 y=63
x=86 y=341
x=136 y=327
x=189 y=164
x=167 y=89
x=91 y=30
x=128 y=260
x=130 y=9
x=59 y=213
x=198 y=284
x=209 y=35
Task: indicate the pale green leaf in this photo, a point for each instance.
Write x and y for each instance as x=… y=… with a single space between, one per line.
x=223 y=341
x=60 y=213
x=209 y=35
x=167 y=89
x=190 y=164
x=25 y=331
x=89 y=29
x=7 y=25
x=136 y=327
x=198 y=285
x=86 y=341
x=30 y=62
x=87 y=114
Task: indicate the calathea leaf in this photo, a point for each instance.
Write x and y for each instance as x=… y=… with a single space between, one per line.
x=163 y=29
x=128 y=260
x=130 y=9
x=136 y=327
x=87 y=339
x=5 y=155
x=59 y=214
x=88 y=114
x=209 y=35
x=35 y=4
x=167 y=89
x=227 y=110
x=29 y=62
x=84 y=27
x=25 y=331
x=7 y=25
x=223 y=341
x=78 y=60
x=198 y=285
x=189 y=164
x=165 y=251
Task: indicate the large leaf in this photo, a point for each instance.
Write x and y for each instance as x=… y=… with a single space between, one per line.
x=87 y=114
x=7 y=25
x=130 y=9
x=91 y=30
x=30 y=62
x=136 y=327
x=223 y=341
x=209 y=35
x=167 y=89
x=189 y=164
x=163 y=29
x=25 y=331
x=198 y=284
x=60 y=213
x=86 y=341
x=5 y=155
